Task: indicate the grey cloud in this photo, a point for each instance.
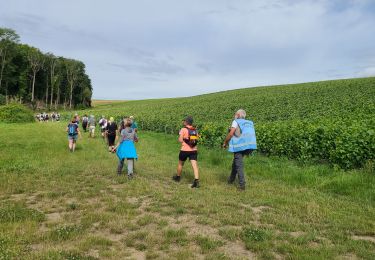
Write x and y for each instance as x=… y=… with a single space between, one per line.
x=150 y=66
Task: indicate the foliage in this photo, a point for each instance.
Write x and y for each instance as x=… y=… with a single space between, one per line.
x=16 y=113
x=2 y=100
x=330 y=121
x=31 y=76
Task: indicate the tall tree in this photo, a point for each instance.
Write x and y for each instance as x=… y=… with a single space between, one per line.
x=72 y=74
x=52 y=70
x=36 y=60
x=8 y=39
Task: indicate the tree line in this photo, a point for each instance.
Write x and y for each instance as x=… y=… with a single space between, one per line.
x=43 y=80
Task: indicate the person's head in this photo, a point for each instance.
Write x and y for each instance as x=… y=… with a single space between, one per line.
x=111 y=119
x=127 y=122
x=188 y=121
x=74 y=119
x=240 y=114
x=131 y=117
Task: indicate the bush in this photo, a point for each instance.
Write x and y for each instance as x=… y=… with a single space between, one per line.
x=2 y=100
x=16 y=113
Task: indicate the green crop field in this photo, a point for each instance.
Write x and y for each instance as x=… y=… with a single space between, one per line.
x=331 y=121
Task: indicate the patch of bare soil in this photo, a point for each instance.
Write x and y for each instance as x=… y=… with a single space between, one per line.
x=296 y=234
x=365 y=238
x=348 y=257
x=237 y=250
x=137 y=255
x=53 y=217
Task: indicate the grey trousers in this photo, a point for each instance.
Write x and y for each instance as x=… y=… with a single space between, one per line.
x=130 y=166
x=237 y=167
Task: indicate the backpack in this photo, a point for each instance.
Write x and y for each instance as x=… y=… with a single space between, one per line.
x=192 y=139
x=72 y=129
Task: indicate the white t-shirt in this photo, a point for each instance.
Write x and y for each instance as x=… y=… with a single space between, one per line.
x=237 y=133
x=234 y=124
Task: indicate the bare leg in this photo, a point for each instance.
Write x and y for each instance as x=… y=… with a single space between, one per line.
x=74 y=145
x=179 y=167
x=194 y=164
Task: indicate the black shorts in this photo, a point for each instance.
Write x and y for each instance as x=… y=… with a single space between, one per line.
x=111 y=140
x=191 y=155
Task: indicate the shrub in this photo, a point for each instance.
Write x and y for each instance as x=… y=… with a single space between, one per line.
x=15 y=113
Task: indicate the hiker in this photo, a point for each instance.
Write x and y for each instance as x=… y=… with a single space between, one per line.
x=58 y=117
x=73 y=132
x=53 y=116
x=188 y=138
x=85 y=121
x=134 y=124
x=111 y=130
x=126 y=148
x=103 y=125
x=242 y=142
x=92 y=125
x=76 y=116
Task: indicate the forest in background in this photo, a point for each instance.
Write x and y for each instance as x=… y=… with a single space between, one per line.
x=40 y=80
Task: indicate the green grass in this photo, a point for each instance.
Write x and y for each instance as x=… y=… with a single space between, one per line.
x=60 y=205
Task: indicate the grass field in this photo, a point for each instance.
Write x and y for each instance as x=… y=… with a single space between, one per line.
x=60 y=205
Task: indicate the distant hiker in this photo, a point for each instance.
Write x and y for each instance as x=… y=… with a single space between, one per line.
x=111 y=130
x=92 y=125
x=122 y=124
x=73 y=132
x=134 y=123
x=126 y=148
x=103 y=125
x=58 y=117
x=76 y=116
x=188 y=138
x=53 y=116
x=242 y=141
x=85 y=121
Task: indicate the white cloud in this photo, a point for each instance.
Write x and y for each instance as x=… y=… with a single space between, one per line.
x=367 y=72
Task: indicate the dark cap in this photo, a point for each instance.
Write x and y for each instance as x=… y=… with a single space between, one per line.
x=189 y=120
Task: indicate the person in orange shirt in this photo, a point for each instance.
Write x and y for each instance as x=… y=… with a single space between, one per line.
x=188 y=139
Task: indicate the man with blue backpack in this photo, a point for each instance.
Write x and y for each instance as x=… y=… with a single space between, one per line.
x=73 y=132
x=241 y=141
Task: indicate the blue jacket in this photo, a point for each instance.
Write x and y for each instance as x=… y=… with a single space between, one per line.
x=246 y=140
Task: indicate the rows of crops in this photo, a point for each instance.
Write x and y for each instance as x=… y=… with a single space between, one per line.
x=330 y=121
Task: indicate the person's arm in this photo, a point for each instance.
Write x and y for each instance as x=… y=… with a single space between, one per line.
x=229 y=136
x=181 y=136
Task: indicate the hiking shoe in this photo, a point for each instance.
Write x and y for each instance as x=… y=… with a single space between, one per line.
x=176 y=178
x=130 y=176
x=241 y=188
x=230 y=182
x=195 y=184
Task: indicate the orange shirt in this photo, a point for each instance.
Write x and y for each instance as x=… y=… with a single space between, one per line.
x=185 y=135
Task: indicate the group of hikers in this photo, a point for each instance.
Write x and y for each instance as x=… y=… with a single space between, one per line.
x=45 y=117
x=240 y=140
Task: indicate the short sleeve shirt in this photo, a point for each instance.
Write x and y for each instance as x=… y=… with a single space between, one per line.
x=234 y=124
x=184 y=146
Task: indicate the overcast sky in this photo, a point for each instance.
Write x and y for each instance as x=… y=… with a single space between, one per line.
x=168 y=48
